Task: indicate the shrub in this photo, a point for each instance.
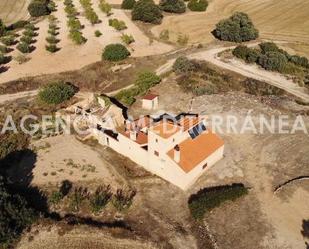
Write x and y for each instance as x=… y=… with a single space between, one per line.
x=209 y=198
x=100 y=198
x=146 y=80
x=127 y=39
x=147 y=11
x=198 y=5
x=26 y=39
x=52 y=48
x=52 y=39
x=18 y=25
x=8 y=40
x=268 y=47
x=105 y=7
x=3 y=49
x=183 y=65
x=24 y=47
x=128 y=4
x=164 y=35
x=56 y=92
x=30 y=26
x=115 y=52
x=74 y=24
x=77 y=37
x=21 y=58
x=123 y=200
x=127 y=96
x=300 y=61
x=182 y=39
x=117 y=24
x=273 y=61
x=38 y=8
x=173 y=6
x=29 y=32
x=247 y=54
x=65 y=187
x=2 y=28
x=52 y=6
x=2 y=58
x=92 y=16
x=97 y=33
x=237 y=28
x=78 y=196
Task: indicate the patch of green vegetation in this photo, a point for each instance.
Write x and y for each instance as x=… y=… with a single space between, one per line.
x=127 y=39
x=209 y=198
x=173 y=6
x=105 y=7
x=117 y=24
x=147 y=11
x=198 y=5
x=115 y=52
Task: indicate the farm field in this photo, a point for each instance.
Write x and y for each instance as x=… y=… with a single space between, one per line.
x=13 y=10
x=71 y=56
x=277 y=20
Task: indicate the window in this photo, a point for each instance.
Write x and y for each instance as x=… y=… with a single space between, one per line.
x=156 y=153
x=204 y=166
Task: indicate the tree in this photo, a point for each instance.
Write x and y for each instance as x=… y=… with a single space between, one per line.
x=198 y=5
x=38 y=8
x=173 y=6
x=2 y=28
x=56 y=92
x=15 y=215
x=147 y=11
x=237 y=28
x=115 y=52
x=128 y=4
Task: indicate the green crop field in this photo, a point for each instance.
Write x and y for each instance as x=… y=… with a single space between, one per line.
x=13 y=10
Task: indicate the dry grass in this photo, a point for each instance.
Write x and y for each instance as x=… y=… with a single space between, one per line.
x=280 y=20
x=13 y=10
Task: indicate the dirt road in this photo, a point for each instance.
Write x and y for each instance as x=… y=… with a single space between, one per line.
x=251 y=71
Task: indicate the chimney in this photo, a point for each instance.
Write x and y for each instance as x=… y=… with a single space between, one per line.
x=177 y=153
x=133 y=135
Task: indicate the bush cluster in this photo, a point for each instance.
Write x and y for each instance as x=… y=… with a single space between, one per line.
x=56 y=92
x=52 y=38
x=115 y=52
x=117 y=24
x=89 y=12
x=145 y=80
x=183 y=65
x=198 y=5
x=271 y=57
x=38 y=8
x=128 y=4
x=105 y=7
x=173 y=6
x=209 y=198
x=147 y=11
x=237 y=28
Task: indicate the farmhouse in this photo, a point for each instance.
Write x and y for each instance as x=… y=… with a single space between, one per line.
x=178 y=149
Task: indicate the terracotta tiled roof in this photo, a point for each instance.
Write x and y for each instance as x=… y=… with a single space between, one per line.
x=165 y=129
x=188 y=122
x=195 y=151
x=141 y=137
x=150 y=96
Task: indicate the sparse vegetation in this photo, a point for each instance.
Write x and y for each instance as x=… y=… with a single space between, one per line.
x=183 y=65
x=182 y=39
x=198 y=5
x=209 y=198
x=115 y=52
x=237 y=28
x=147 y=11
x=173 y=6
x=56 y=93
x=164 y=35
